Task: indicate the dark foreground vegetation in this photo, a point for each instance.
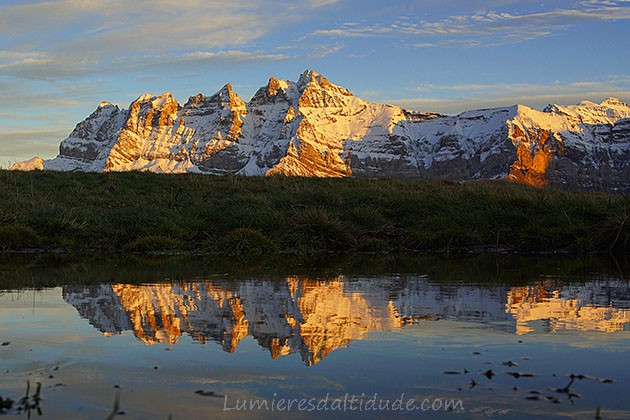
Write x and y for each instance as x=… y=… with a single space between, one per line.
x=238 y=216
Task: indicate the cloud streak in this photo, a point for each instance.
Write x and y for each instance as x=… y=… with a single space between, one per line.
x=488 y=28
x=455 y=98
x=20 y=145
x=86 y=36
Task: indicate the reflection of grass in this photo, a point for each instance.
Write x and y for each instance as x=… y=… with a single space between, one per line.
x=49 y=270
x=154 y=243
x=227 y=215
x=27 y=404
x=5 y=405
x=115 y=408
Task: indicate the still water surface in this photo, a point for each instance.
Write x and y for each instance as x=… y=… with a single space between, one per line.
x=389 y=345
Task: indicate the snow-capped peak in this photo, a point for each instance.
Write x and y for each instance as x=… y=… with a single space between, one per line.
x=145 y=97
x=226 y=90
x=157 y=102
x=614 y=102
x=312 y=78
x=276 y=85
x=307 y=77
x=608 y=111
x=276 y=90
x=162 y=100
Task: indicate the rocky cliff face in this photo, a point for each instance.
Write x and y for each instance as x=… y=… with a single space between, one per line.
x=315 y=128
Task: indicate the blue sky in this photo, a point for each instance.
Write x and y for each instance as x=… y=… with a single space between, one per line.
x=59 y=59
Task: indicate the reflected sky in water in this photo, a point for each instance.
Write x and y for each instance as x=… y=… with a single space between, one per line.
x=304 y=337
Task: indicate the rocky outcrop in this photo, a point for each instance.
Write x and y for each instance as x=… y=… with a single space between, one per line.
x=316 y=128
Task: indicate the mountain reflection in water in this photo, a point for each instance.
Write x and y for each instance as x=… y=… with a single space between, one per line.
x=315 y=317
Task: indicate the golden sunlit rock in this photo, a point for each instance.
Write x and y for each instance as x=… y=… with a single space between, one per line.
x=533 y=156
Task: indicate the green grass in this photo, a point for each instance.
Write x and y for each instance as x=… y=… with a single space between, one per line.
x=238 y=216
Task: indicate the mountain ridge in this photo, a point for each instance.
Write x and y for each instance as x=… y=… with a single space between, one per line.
x=313 y=127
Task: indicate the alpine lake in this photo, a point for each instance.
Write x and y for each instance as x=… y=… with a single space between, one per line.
x=187 y=337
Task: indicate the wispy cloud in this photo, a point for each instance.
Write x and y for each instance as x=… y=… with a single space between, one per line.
x=321 y=3
x=87 y=36
x=232 y=55
x=456 y=98
x=19 y=145
x=187 y=58
x=64 y=39
x=489 y=28
x=322 y=51
x=30 y=95
x=606 y=3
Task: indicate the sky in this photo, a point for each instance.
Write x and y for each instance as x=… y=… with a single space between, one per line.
x=60 y=58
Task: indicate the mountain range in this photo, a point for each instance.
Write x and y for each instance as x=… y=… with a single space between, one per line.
x=315 y=128
x=314 y=317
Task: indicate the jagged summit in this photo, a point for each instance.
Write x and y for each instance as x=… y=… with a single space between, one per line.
x=225 y=98
x=613 y=102
x=226 y=93
x=274 y=85
x=314 y=127
x=310 y=76
x=307 y=76
x=276 y=90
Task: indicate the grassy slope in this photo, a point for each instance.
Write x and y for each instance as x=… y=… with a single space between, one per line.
x=245 y=216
